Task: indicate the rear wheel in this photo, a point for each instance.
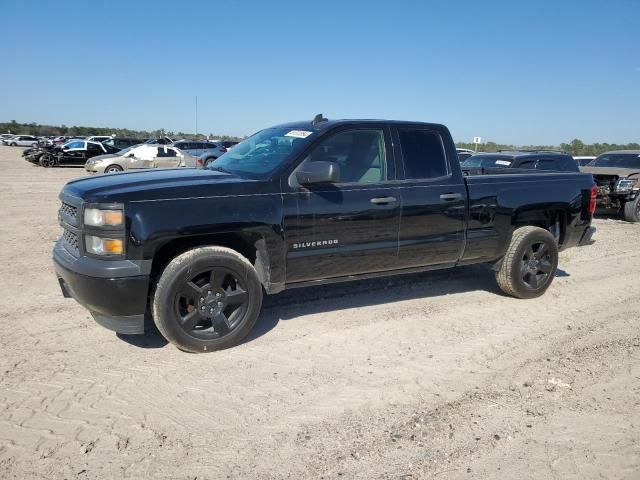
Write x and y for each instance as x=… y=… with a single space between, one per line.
x=631 y=212
x=530 y=263
x=207 y=299
x=113 y=169
x=209 y=161
x=13 y=144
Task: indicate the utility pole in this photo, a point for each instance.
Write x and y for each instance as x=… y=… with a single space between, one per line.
x=196 y=116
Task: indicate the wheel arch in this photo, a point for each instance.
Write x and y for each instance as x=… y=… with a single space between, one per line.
x=250 y=244
x=553 y=219
x=113 y=165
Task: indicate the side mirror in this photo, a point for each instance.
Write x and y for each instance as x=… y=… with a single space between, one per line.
x=318 y=172
x=130 y=154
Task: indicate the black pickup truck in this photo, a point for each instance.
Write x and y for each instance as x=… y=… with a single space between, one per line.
x=302 y=204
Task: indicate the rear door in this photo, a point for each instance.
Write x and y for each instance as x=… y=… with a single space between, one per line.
x=166 y=157
x=433 y=198
x=350 y=227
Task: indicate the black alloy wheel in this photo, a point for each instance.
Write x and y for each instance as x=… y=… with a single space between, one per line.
x=536 y=265
x=207 y=299
x=48 y=161
x=529 y=264
x=211 y=304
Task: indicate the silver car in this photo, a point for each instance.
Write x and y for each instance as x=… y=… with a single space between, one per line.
x=22 y=141
x=141 y=157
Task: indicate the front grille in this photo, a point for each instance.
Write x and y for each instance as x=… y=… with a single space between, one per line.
x=69 y=210
x=71 y=239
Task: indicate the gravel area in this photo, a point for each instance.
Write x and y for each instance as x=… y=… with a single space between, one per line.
x=436 y=375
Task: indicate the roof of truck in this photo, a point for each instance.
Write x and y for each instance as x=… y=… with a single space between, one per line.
x=324 y=124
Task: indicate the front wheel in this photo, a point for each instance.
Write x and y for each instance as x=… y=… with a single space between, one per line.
x=113 y=169
x=530 y=263
x=47 y=161
x=207 y=299
x=631 y=212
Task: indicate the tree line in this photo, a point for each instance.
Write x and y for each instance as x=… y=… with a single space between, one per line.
x=576 y=147
x=54 y=131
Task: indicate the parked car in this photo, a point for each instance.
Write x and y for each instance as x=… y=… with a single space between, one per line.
x=464 y=153
x=6 y=136
x=617 y=175
x=123 y=142
x=522 y=159
x=160 y=141
x=139 y=157
x=75 y=152
x=211 y=154
x=583 y=161
x=300 y=204
x=60 y=140
x=225 y=143
x=22 y=141
x=193 y=147
x=99 y=138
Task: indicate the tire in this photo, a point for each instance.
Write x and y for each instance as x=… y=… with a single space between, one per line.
x=527 y=268
x=113 y=169
x=34 y=145
x=631 y=212
x=209 y=161
x=13 y=144
x=47 y=161
x=207 y=299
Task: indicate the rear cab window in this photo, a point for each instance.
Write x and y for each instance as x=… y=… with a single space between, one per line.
x=423 y=154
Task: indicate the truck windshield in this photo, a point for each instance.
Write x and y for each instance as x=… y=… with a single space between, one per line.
x=262 y=153
x=617 y=160
x=487 y=161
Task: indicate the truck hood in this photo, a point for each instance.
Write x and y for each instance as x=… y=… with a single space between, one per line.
x=161 y=184
x=619 y=172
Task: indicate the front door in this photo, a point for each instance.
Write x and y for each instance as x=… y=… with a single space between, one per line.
x=166 y=157
x=350 y=227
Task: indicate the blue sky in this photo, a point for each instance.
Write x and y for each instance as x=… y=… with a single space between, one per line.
x=522 y=72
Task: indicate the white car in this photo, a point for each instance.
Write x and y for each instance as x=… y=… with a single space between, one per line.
x=6 y=136
x=141 y=157
x=22 y=141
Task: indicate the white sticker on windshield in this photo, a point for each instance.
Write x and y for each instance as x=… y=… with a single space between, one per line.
x=506 y=163
x=298 y=134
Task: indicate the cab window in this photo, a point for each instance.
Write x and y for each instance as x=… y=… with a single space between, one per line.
x=423 y=154
x=359 y=153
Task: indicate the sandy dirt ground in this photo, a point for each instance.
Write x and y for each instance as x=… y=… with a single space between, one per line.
x=436 y=375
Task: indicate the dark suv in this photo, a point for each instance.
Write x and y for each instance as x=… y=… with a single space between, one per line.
x=522 y=159
x=123 y=142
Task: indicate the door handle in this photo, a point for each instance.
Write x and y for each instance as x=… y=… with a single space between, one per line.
x=450 y=197
x=383 y=200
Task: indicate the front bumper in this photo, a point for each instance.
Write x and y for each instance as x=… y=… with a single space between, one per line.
x=116 y=302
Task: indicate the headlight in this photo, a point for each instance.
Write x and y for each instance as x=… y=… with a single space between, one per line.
x=95 y=217
x=626 y=185
x=103 y=246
